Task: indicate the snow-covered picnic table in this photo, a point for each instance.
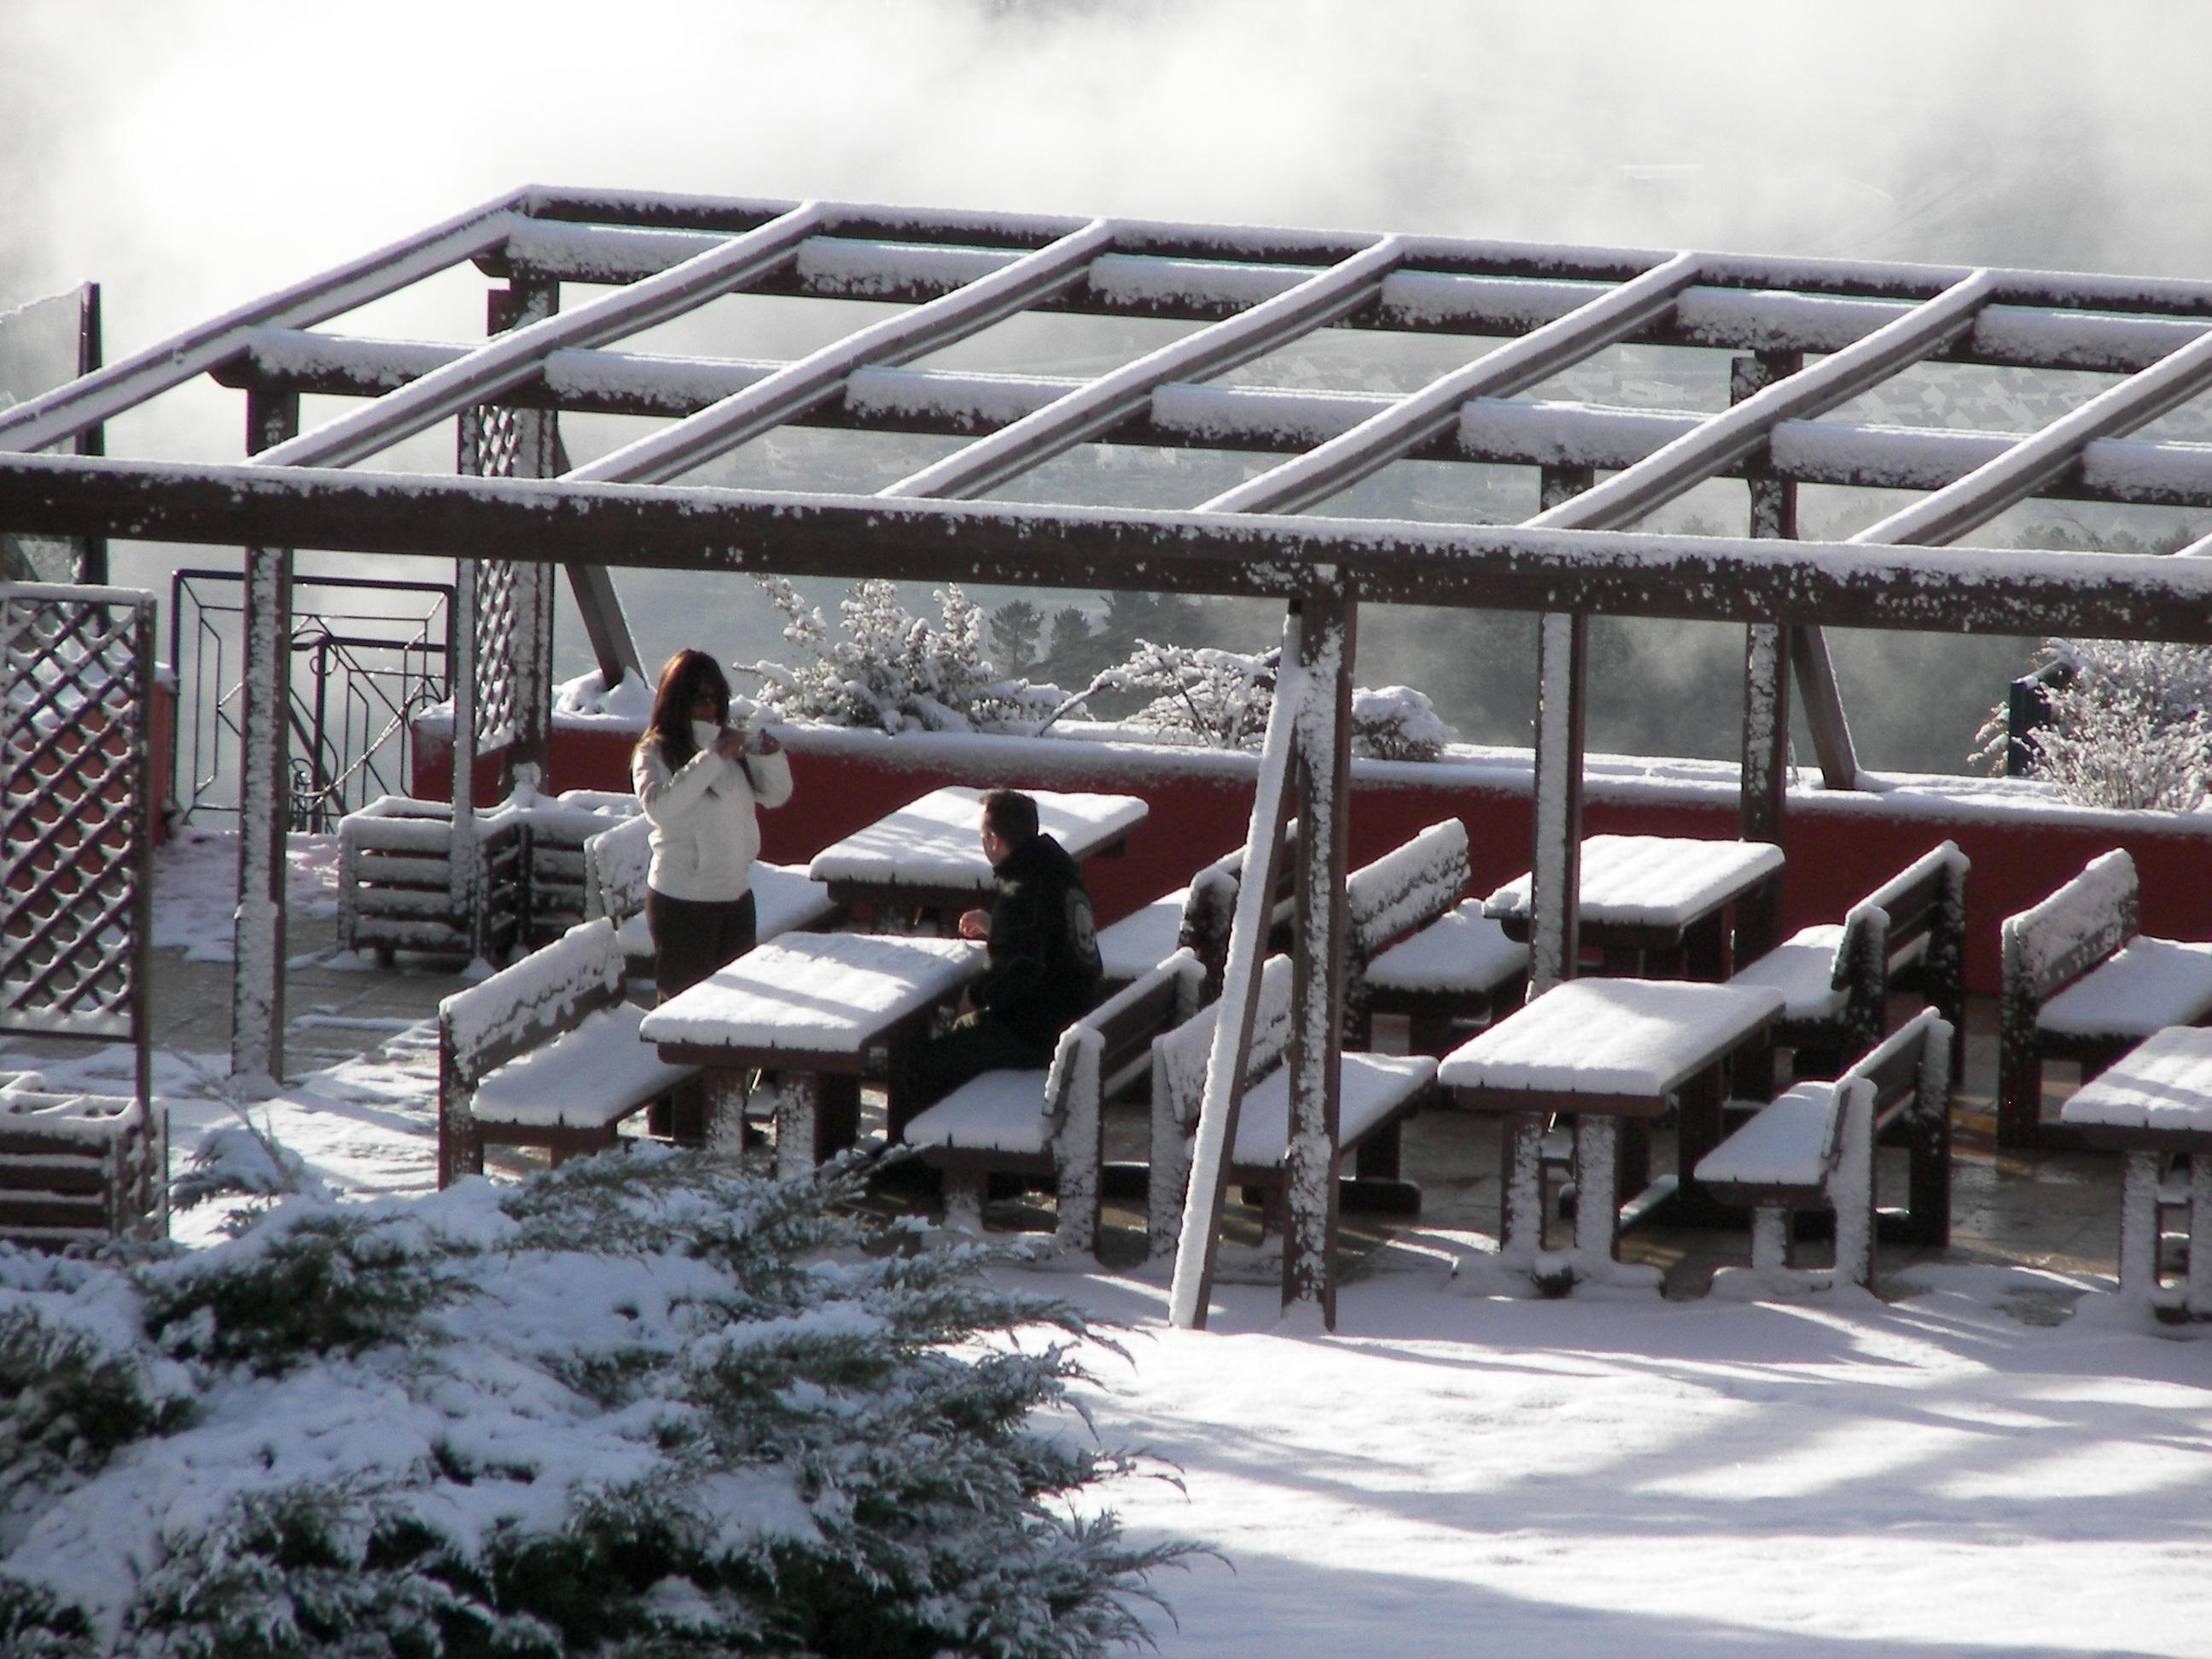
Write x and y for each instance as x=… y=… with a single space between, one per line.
x=809 y=1008
x=927 y=858
x=2153 y=1104
x=1646 y=901
x=1600 y=1050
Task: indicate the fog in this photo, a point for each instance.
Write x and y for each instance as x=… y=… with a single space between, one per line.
x=190 y=155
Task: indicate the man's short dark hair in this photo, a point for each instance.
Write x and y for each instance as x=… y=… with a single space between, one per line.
x=1011 y=815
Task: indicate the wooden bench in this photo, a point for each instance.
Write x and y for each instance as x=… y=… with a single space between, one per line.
x=1418 y=951
x=616 y=861
x=78 y=1169
x=1813 y=1146
x=1836 y=977
x=545 y=1053
x=2077 y=982
x=1378 y=1092
x=1050 y=1123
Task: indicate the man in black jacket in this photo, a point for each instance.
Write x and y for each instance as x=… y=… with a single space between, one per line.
x=1043 y=945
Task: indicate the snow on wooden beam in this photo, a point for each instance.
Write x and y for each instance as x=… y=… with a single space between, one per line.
x=81 y=403
x=1494 y=430
x=511 y=358
x=1104 y=403
x=1413 y=421
x=2027 y=466
x=1719 y=579
x=819 y=377
x=2025 y=333
x=1728 y=437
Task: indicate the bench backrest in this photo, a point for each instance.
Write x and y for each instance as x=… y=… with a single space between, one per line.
x=616 y=864
x=1179 y=1055
x=1405 y=890
x=2050 y=945
x=546 y=993
x=1109 y=1046
x=1912 y=1064
x=1210 y=910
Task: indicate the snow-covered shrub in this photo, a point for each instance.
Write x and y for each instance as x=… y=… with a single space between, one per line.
x=1223 y=698
x=2128 y=728
x=892 y=671
x=644 y=1405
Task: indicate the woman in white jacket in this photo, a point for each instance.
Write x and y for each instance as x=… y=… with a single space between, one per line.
x=699 y=780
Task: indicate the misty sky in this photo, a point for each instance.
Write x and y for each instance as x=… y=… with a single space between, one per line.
x=192 y=154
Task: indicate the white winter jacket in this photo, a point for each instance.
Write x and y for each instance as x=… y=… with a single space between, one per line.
x=705 y=836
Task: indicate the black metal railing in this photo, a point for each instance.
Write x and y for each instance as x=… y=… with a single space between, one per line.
x=360 y=673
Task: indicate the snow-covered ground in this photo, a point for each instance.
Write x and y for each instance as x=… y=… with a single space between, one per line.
x=2003 y=1461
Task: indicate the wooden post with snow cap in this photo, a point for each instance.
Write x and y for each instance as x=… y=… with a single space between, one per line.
x=257 y=1008
x=1321 y=770
x=1555 y=867
x=1192 y=1286
x=536 y=439
x=1766 y=659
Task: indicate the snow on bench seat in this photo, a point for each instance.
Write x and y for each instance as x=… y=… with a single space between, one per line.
x=1790 y=1142
x=1373 y=1088
x=1803 y=969
x=2146 y=984
x=2163 y=1087
x=999 y=1111
x=592 y=1076
x=786 y=901
x=1462 y=951
x=1143 y=939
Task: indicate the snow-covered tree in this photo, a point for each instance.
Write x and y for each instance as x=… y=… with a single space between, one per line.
x=643 y=1405
x=893 y=670
x=2127 y=724
x=1223 y=698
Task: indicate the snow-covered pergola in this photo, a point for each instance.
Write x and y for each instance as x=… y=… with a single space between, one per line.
x=575 y=274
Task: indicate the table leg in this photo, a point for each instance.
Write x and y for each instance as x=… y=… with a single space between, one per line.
x=1597 y=1187
x=1705 y=949
x=698 y=1112
x=1696 y=1132
x=2197 y=1288
x=1521 y=1221
x=2139 y=1229
x=837 y=1114
x=796 y=1116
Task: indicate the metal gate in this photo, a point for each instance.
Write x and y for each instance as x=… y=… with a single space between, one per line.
x=76 y=910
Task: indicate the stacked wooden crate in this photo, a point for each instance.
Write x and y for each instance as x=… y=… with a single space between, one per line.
x=78 y=1168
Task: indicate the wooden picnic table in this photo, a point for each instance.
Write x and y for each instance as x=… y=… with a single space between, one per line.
x=808 y=1008
x=2153 y=1104
x=926 y=860
x=1654 y=902
x=1602 y=1051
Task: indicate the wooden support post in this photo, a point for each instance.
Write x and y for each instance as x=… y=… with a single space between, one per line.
x=257 y=1002
x=1227 y=1062
x=1766 y=776
x=1323 y=770
x=1555 y=867
x=535 y=456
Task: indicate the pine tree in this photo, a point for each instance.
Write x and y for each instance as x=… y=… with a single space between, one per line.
x=1016 y=627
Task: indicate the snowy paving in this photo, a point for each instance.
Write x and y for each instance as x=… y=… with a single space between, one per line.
x=2003 y=1462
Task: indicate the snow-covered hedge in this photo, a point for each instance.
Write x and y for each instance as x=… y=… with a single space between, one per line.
x=2128 y=724
x=644 y=1405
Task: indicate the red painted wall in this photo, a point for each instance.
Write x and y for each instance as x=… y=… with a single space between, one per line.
x=1839 y=846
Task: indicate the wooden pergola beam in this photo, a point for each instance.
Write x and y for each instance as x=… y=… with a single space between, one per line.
x=1711 y=579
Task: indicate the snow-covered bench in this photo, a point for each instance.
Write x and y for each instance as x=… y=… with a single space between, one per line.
x=79 y=1168
x=1375 y=1093
x=545 y=1054
x=2077 y=982
x=616 y=861
x=1450 y=964
x=1813 y=1146
x=1836 y=977
x=1048 y=1123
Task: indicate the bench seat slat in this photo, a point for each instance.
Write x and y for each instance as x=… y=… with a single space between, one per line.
x=2147 y=984
x=1374 y=1087
x=1803 y=969
x=1462 y=951
x=1789 y=1143
x=585 y=1079
x=999 y=1111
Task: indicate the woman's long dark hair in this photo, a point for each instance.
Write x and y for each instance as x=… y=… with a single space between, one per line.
x=688 y=676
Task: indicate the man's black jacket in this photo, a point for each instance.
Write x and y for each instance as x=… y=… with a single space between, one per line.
x=1044 y=970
